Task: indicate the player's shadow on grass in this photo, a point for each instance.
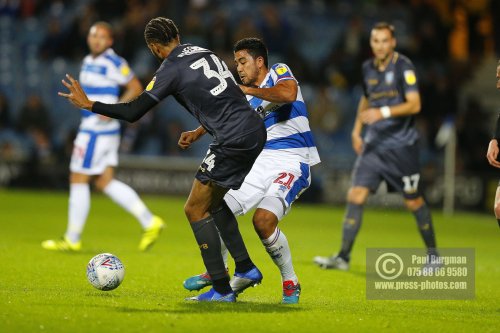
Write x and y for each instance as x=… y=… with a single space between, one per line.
x=360 y=273
x=190 y=307
x=213 y=307
x=370 y=275
x=99 y=294
x=356 y=271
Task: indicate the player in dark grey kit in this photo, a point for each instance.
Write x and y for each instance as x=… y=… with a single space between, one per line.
x=388 y=152
x=492 y=154
x=202 y=83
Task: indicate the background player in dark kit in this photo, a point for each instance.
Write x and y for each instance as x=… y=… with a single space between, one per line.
x=388 y=151
x=492 y=154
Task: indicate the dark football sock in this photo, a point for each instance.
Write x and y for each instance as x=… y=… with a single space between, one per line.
x=498 y=220
x=230 y=233
x=424 y=223
x=208 y=240
x=222 y=285
x=350 y=228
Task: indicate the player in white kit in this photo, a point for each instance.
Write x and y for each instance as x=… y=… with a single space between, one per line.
x=95 y=151
x=282 y=170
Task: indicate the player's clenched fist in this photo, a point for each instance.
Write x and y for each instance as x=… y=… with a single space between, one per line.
x=187 y=138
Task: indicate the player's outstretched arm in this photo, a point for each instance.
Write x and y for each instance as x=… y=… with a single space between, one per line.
x=492 y=153
x=130 y=111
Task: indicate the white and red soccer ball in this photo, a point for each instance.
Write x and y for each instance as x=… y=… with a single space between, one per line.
x=105 y=271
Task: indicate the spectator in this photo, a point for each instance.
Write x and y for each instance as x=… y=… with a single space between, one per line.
x=10 y=146
x=34 y=122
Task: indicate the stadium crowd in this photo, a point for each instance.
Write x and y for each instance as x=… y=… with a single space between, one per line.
x=324 y=42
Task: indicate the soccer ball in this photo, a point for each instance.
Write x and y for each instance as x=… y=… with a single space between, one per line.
x=105 y=271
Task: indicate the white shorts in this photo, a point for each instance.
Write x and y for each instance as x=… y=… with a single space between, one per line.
x=94 y=151
x=272 y=177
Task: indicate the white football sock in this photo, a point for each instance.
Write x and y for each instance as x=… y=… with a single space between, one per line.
x=279 y=251
x=128 y=199
x=78 y=210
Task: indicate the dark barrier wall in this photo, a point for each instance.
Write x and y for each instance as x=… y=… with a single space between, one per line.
x=174 y=176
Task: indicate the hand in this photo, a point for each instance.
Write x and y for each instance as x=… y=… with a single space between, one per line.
x=187 y=138
x=492 y=153
x=357 y=143
x=370 y=116
x=76 y=95
x=244 y=89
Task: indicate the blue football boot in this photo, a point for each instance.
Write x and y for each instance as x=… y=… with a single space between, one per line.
x=197 y=282
x=213 y=296
x=242 y=281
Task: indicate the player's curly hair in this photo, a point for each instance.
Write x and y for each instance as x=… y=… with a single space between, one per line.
x=254 y=46
x=160 y=30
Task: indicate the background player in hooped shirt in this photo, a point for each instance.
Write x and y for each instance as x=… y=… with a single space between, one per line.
x=202 y=83
x=95 y=151
x=282 y=170
x=389 y=150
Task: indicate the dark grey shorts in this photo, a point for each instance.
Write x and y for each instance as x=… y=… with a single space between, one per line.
x=228 y=164
x=398 y=167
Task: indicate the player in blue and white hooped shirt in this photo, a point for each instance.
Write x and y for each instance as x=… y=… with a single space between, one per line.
x=282 y=170
x=95 y=151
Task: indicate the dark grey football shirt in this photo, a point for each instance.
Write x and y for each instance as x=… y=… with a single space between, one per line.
x=386 y=88
x=201 y=82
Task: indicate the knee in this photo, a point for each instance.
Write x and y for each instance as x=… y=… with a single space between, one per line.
x=497 y=209
x=190 y=212
x=194 y=213
x=100 y=184
x=357 y=195
x=264 y=223
x=414 y=204
x=78 y=178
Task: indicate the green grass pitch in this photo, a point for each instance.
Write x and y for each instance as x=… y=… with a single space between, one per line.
x=42 y=291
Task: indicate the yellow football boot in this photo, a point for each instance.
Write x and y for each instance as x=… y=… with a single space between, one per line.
x=62 y=244
x=151 y=234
